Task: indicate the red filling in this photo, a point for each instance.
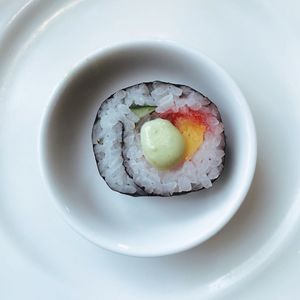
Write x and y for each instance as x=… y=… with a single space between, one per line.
x=198 y=117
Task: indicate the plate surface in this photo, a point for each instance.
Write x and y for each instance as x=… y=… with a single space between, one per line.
x=141 y=226
x=256 y=256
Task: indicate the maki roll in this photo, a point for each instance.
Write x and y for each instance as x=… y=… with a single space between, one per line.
x=158 y=139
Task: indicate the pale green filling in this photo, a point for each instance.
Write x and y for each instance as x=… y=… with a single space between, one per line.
x=162 y=143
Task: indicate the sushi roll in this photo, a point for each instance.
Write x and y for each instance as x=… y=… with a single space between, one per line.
x=158 y=139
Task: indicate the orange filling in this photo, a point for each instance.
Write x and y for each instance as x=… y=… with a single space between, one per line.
x=193 y=134
x=192 y=125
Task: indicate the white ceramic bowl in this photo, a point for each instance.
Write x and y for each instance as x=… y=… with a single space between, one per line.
x=141 y=226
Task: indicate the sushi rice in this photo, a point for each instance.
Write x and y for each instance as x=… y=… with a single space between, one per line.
x=117 y=144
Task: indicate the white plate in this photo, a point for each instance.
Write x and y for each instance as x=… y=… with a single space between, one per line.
x=141 y=226
x=256 y=256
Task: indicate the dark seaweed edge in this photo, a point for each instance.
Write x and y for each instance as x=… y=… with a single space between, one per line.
x=143 y=192
x=97 y=161
x=153 y=194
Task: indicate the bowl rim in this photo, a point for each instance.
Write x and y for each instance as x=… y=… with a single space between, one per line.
x=73 y=73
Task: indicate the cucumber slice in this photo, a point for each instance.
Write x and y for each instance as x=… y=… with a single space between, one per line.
x=142 y=111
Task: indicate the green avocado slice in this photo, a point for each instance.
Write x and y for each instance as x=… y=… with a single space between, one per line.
x=142 y=111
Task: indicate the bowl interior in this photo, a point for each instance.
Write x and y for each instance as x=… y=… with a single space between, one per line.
x=144 y=226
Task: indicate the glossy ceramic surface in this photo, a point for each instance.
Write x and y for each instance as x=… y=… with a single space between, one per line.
x=141 y=226
x=256 y=255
